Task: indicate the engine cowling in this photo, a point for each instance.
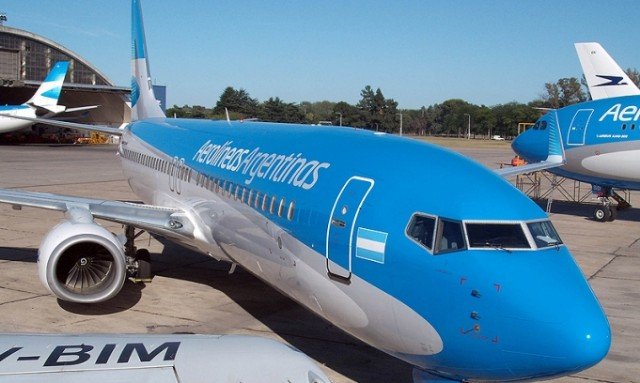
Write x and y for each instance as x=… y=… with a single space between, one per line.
x=82 y=262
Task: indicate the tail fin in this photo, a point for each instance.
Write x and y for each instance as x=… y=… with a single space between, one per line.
x=604 y=76
x=49 y=91
x=143 y=101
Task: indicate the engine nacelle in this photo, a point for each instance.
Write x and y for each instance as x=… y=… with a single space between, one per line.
x=82 y=262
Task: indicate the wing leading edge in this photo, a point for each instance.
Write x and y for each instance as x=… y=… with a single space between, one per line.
x=160 y=220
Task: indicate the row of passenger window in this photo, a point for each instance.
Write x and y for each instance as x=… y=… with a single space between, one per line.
x=254 y=198
x=632 y=127
x=176 y=168
x=441 y=235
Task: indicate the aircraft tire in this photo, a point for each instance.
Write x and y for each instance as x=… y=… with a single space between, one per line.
x=144 y=265
x=602 y=213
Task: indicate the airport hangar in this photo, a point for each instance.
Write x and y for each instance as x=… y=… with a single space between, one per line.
x=25 y=60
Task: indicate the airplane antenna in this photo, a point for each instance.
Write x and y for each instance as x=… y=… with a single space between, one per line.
x=226 y=112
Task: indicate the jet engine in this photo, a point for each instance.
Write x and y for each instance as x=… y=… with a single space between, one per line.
x=82 y=262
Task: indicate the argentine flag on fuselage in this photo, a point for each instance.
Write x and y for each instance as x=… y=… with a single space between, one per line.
x=371 y=244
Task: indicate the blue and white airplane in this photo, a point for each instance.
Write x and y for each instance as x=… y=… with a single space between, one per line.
x=601 y=138
x=377 y=234
x=44 y=102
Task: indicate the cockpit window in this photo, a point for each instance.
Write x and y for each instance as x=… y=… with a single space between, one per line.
x=497 y=235
x=544 y=234
x=449 y=237
x=421 y=229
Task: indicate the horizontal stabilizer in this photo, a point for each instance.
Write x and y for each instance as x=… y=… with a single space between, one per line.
x=80 y=108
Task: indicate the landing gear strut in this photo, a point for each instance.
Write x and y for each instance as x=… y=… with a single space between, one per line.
x=138 y=260
x=606 y=211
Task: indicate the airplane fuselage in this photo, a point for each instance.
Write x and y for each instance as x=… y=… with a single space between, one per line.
x=601 y=141
x=11 y=124
x=327 y=216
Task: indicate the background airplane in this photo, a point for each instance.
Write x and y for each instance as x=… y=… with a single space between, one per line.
x=605 y=78
x=601 y=138
x=80 y=358
x=481 y=288
x=44 y=102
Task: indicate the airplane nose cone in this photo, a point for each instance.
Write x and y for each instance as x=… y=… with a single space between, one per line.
x=532 y=145
x=569 y=348
x=592 y=342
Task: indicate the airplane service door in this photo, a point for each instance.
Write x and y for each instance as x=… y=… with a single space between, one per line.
x=342 y=223
x=578 y=127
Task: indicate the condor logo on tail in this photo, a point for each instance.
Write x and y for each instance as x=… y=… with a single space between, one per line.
x=613 y=80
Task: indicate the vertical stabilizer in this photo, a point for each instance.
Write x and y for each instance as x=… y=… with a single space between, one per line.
x=604 y=76
x=143 y=101
x=49 y=91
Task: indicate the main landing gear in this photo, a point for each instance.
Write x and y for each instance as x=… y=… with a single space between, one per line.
x=138 y=260
x=606 y=211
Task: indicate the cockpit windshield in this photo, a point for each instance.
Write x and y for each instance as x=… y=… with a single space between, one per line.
x=441 y=235
x=544 y=234
x=497 y=235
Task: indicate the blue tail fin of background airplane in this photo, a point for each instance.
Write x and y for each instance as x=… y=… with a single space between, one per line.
x=143 y=100
x=49 y=91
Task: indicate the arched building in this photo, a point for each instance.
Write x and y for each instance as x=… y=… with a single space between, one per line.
x=25 y=60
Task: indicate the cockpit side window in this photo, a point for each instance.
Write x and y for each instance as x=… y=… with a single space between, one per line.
x=449 y=236
x=544 y=234
x=497 y=235
x=421 y=230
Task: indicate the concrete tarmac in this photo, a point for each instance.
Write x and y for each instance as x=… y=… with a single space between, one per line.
x=193 y=293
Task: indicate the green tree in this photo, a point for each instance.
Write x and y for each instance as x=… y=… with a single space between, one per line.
x=276 y=110
x=634 y=75
x=237 y=101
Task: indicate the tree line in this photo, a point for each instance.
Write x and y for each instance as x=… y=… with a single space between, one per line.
x=374 y=111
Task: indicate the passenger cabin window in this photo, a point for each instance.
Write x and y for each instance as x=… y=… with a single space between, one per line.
x=543 y=125
x=421 y=230
x=544 y=234
x=449 y=236
x=497 y=235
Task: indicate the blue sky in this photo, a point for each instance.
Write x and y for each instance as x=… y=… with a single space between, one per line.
x=417 y=52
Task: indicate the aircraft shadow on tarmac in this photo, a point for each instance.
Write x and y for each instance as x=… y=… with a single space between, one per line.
x=302 y=329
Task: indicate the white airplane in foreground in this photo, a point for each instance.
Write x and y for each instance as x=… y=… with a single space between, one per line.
x=106 y=358
x=377 y=234
x=44 y=102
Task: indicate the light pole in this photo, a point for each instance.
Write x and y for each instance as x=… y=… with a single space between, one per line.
x=468 y=126
x=400 y=123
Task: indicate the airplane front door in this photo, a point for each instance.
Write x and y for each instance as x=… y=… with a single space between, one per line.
x=578 y=127
x=342 y=222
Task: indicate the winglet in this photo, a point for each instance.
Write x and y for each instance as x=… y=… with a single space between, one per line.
x=604 y=76
x=143 y=100
x=49 y=91
x=555 y=157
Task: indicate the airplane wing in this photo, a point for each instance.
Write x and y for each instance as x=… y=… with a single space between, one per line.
x=160 y=220
x=73 y=125
x=172 y=358
x=556 y=156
